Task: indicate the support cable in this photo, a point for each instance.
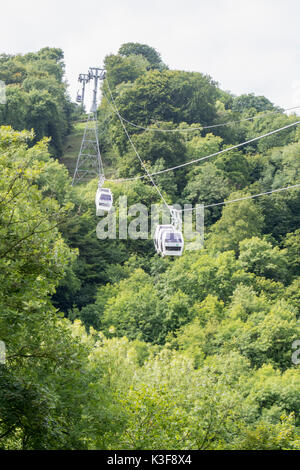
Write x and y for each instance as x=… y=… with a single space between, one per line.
x=189 y=129
x=135 y=150
x=121 y=180
x=243 y=198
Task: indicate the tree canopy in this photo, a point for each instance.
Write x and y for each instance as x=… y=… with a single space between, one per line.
x=108 y=345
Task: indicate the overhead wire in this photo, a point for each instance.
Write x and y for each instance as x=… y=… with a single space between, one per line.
x=149 y=175
x=242 y=198
x=135 y=150
x=190 y=129
x=121 y=180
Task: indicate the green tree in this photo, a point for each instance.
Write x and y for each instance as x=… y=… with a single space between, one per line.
x=169 y=96
x=261 y=258
x=245 y=102
x=124 y=69
x=36 y=95
x=135 y=48
x=207 y=185
x=239 y=221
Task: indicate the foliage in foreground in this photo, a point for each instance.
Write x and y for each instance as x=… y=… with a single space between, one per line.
x=150 y=353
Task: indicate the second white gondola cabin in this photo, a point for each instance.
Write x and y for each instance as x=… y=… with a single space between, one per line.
x=168 y=241
x=103 y=200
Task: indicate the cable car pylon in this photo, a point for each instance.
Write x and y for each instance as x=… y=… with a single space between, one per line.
x=84 y=79
x=89 y=161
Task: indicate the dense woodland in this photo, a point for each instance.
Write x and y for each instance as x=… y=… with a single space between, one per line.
x=109 y=345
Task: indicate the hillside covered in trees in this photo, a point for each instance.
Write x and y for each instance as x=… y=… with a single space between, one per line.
x=109 y=345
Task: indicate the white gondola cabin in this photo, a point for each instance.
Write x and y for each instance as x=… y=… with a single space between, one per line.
x=103 y=200
x=168 y=241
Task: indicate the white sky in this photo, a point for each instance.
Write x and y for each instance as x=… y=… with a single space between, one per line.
x=245 y=45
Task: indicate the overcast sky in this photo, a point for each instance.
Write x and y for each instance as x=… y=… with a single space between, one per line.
x=245 y=45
